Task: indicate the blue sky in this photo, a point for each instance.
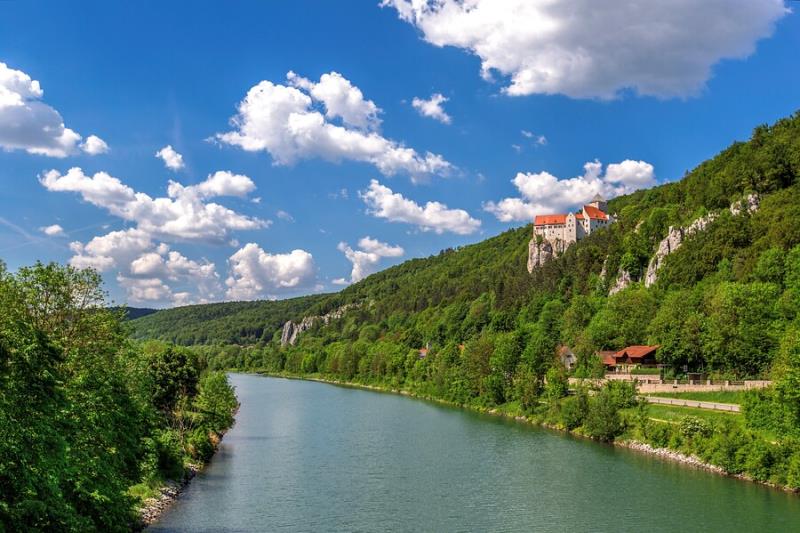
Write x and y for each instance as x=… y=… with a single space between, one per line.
x=648 y=95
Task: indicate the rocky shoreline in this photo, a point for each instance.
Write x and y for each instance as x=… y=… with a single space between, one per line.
x=671 y=455
x=153 y=508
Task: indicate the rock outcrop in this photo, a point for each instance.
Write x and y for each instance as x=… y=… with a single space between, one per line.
x=676 y=236
x=604 y=270
x=292 y=330
x=623 y=281
x=153 y=508
x=541 y=251
x=746 y=205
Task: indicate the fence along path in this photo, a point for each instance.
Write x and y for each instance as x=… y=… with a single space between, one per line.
x=716 y=406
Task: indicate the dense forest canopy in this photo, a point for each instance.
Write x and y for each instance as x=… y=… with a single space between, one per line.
x=91 y=421
x=94 y=419
x=228 y=322
x=725 y=302
x=735 y=282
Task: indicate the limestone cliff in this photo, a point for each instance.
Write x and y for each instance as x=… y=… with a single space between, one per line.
x=292 y=330
x=622 y=282
x=676 y=236
x=541 y=251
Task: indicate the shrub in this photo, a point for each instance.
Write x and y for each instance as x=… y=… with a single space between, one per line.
x=574 y=410
x=557 y=383
x=527 y=386
x=793 y=472
x=757 y=459
x=603 y=421
x=658 y=434
x=621 y=394
x=199 y=445
x=170 y=453
x=723 y=447
x=692 y=426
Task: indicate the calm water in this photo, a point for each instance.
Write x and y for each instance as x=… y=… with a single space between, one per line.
x=307 y=456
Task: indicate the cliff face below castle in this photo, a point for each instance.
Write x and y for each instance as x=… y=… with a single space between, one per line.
x=541 y=251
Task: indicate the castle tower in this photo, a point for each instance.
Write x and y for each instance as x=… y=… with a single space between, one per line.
x=600 y=203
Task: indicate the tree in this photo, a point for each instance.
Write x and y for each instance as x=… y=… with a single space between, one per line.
x=174 y=374
x=739 y=335
x=215 y=401
x=677 y=329
x=602 y=420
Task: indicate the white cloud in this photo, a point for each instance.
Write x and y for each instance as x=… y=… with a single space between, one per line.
x=432 y=108
x=382 y=202
x=115 y=249
x=185 y=214
x=283 y=215
x=540 y=140
x=255 y=273
x=341 y=194
x=148 y=290
x=147 y=270
x=596 y=48
x=27 y=123
x=94 y=145
x=284 y=121
x=172 y=159
x=146 y=267
x=341 y=99
x=543 y=193
x=52 y=230
x=366 y=259
x=224 y=183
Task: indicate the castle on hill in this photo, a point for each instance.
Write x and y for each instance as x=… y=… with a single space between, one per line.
x=567 y=228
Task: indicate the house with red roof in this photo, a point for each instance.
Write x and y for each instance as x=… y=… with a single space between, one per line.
x=608 y=359
x=572 y=227
x=636 y=356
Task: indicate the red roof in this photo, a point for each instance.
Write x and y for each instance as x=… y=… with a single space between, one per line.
x=636 y=352
x=579 y=216
x=608 y=357
x=594 y=213
x=542 y=220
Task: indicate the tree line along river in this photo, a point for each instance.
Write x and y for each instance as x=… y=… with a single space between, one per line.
x=306 y=456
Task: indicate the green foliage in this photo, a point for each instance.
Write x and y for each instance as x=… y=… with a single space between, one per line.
x=556 y=385
x=692 y=426
x=603 y=421
x=724 y=303
x=215 y=401
x=739 y=337
x=228 y=322
x=173 y=372
x=574 y=409
x=82 y=410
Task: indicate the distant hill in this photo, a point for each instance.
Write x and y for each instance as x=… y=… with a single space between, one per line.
x=723 y=301
x=132 y=313
x=228 y=322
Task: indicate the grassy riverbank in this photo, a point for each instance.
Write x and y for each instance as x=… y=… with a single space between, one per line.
x=736 y=397
x=715 y=441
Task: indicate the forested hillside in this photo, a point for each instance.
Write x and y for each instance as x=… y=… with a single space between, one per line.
x=229 y=322
x=91 y=422
x=725 y=302
x=736 y=283
x=132 y=313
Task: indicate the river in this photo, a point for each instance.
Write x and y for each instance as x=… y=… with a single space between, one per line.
x=307 y=456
